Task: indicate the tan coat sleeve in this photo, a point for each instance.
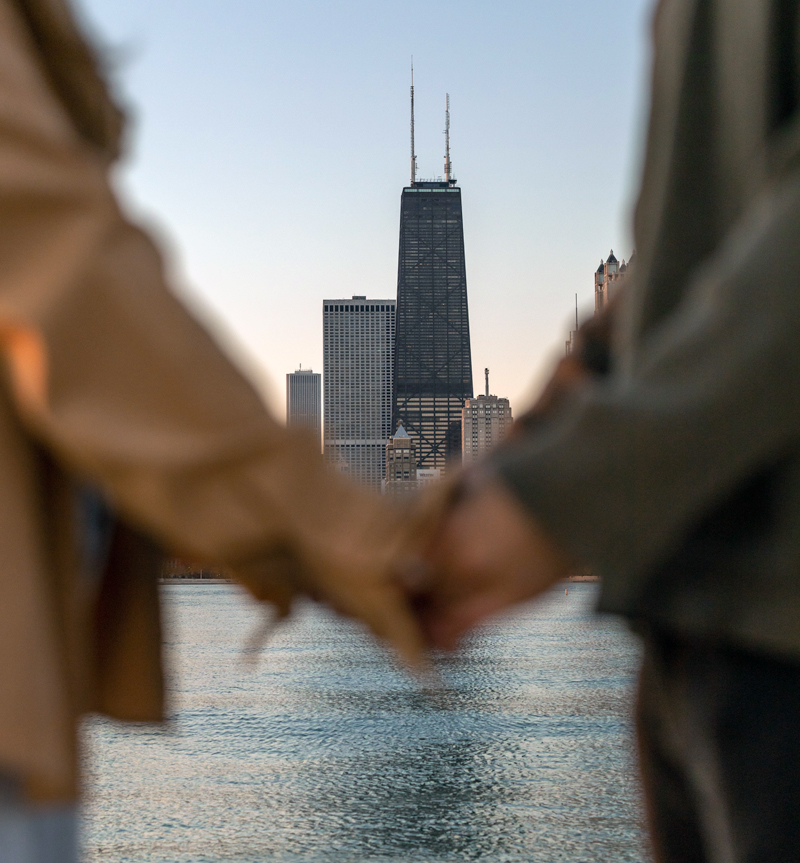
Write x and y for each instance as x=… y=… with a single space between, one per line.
x=109 y=367
x=118 y=381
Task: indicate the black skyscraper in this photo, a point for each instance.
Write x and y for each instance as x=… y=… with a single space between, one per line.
x=433 y=366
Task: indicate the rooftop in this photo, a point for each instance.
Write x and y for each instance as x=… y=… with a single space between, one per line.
x=433 y=184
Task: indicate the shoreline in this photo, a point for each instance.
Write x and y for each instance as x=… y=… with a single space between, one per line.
x=196 y=581
x=572 y=578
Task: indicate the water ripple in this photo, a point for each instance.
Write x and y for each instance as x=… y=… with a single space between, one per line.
x=326 y=753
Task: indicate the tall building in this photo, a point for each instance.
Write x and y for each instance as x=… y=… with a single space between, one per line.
x=433 y=366
x=304 y=400
x=573 y=334
x=358 y=358
x=401 y=464
x=608 y=278
x=485 y=421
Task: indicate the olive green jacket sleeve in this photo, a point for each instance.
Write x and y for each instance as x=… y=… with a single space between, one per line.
x=631 y=462
x=633 y=472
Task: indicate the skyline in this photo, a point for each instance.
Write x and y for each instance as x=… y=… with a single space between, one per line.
x=271 y=146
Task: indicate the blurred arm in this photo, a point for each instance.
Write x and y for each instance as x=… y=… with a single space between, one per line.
x=113 y=376
x=591 y=357
x=629 y=462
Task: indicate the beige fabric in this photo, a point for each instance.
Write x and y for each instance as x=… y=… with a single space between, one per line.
x=110 y=379
x=71 y=68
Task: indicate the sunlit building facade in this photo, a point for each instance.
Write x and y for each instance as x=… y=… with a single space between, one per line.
x=608 y=278
x=486 y=420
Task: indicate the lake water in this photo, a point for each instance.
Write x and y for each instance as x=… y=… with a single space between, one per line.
x=326 y=753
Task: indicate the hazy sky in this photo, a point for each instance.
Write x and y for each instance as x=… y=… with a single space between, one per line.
x=270 y=145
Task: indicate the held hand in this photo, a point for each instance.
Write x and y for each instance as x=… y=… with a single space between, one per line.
x=487 y=555
x=337 y=545
x=352 y=570
x=349 y=568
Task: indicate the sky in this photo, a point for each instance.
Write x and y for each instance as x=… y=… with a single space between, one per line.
x=269 y=145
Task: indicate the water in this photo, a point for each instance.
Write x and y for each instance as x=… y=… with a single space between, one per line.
x=326 y=753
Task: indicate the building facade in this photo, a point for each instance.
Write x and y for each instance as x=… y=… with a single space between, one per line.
x=428 y=476
x=608 y=278
x=401 y=464
x=304 y=401
x=573 y=334
x=485 y=421
x=433 y=365
x=358 y=359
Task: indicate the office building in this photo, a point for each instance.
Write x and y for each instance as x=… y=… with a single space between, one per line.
x=485 y=421
x=433 y=367
x=304 y=401
x=358 y=358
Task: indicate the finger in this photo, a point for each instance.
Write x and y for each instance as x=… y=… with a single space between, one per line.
x=387 y=614
x=446 y=626
x=413 y=574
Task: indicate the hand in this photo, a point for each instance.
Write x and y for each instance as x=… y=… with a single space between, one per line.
x=487 y=555
x=590 y=359
x=350 y=567
x=338 y=545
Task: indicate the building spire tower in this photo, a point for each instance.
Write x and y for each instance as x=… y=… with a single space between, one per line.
x=433 y=364
x=413 y=148
x=447 y=166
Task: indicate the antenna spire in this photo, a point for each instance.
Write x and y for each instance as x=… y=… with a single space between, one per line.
x=486 y=372
x=413 y=151
x=447 y=166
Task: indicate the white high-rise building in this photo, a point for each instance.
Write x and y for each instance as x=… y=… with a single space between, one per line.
x=358 y=363
x=304 y=400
